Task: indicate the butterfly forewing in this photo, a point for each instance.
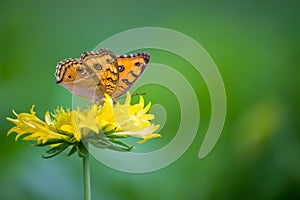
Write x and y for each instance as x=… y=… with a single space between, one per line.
x=73 y=75
x=131 y=68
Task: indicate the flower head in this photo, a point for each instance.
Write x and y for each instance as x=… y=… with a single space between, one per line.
x=100 y=125
x=133 y=120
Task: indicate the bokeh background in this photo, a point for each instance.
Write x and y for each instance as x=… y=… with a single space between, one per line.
x=256 y=46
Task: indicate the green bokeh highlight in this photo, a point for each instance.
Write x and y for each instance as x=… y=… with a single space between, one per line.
x=256 y=48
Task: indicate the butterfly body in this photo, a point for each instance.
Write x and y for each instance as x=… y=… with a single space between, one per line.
x=98 y=72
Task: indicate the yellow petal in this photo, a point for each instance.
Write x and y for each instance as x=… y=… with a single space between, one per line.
x=148 y=138
x=32 y=110
x=67 y=128
x=128 y=99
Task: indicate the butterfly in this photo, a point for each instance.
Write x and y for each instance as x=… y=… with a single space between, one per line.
x=98 y=72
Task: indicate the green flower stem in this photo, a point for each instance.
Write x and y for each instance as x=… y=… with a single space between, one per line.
x=86 y=176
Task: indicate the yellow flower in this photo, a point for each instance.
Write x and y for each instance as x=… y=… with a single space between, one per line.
x=105 y=115
x=133 y=120
x=132 y=117
x=40 y=131
x=82 y=122
x=99 y=124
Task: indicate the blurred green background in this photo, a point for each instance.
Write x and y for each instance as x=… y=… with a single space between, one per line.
x=256 y=46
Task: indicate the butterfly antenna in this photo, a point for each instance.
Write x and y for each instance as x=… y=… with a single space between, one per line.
x=138 y=94
x=133 y=95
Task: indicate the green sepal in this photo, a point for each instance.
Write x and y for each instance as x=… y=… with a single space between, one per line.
x=52 y=141
x=72 y=150
x=108 y=143
x=125 y=147
x=100 y=143
x=55 y=150
x=117 y=148
x=81 y=150
x=112 y=136
x=108 y=132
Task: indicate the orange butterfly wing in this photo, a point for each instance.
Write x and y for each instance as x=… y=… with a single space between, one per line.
x=73 y=75
x=94 y=74
x=104 y=65
x=131 y=68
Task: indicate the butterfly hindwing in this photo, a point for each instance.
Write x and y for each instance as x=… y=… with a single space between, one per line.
x=131 y=68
